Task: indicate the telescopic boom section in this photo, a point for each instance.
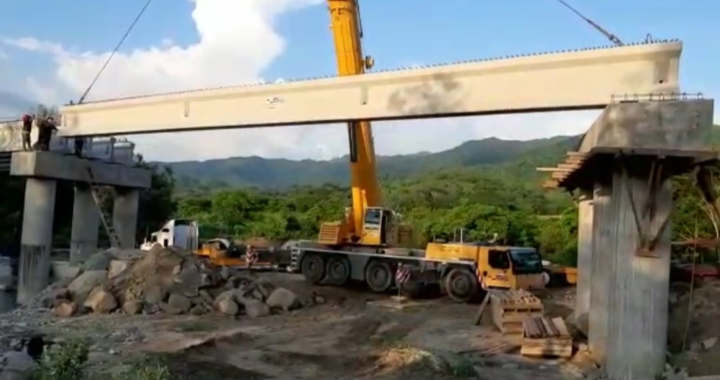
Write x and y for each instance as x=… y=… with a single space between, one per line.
x=347 y=34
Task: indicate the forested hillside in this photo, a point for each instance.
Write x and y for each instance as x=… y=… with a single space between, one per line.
x=486 y=187
x=278 y=174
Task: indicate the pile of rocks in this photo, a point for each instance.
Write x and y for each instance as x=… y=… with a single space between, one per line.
x=165 y=280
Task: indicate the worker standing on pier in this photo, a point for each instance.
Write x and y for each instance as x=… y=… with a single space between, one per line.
x=46 y=129
x=27 y=121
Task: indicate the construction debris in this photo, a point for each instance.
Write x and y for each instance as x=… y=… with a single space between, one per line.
x=510 y=308
x=693 y=330
x=546 y=337
x=165 y=280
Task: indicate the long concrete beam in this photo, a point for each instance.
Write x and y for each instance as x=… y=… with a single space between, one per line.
x=585 y=79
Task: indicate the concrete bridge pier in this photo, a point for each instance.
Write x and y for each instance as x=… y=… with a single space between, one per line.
x=629 y=156
x=36 y=239
x=584 y=264
x=125 y=214
x=85 y=225
x=637 y=295
x=42 y=170
x=602 y=249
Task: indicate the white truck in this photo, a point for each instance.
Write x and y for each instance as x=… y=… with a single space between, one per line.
x=181 y=233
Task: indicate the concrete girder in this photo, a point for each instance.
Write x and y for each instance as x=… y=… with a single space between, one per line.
x=586 y=79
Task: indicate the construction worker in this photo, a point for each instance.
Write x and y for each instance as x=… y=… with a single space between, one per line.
x=45 y=130
x=79 y=143
x=27 y=121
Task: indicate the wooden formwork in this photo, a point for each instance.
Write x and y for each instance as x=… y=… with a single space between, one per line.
x=546 y=337
x=510 y=308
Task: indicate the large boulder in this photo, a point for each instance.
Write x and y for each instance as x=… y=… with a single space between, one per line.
x=16 y=366
x=228 y=306
x=256 y=308
x=101 y=301
x=180 y=302
x=283 y=299
x=81 y=286
x=132 y=307
x=98 y=261
x=118 y=267
x=64 y=309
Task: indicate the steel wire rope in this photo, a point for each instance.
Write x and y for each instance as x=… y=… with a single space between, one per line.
x=117 y=47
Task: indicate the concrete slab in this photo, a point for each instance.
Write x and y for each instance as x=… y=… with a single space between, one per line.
x=680 y=124
x=56 y=166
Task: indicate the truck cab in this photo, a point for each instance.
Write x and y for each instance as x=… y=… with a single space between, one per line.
x=181 y=233
x=500 y=267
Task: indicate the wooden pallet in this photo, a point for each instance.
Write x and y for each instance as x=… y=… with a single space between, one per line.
x=511 y=307
x=546 y=337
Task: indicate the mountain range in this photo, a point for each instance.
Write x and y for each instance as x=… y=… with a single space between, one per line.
x=515 y=159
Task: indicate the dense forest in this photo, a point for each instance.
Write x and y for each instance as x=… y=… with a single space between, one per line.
x=486 y=187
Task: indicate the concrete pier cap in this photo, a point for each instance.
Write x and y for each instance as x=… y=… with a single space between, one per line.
x=628 y=157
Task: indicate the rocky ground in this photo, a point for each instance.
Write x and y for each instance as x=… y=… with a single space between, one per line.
x=170 y=308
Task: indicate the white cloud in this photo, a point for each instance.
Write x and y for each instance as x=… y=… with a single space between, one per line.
x=4 y=56
x=238 y=41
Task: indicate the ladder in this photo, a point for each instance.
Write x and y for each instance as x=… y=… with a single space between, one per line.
x=99 y=198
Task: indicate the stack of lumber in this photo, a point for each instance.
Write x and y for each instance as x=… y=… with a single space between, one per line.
x=511 y=307
x=546 y=337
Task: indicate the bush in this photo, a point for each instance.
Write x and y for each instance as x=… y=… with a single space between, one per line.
x=145 y=372
x=65 y=361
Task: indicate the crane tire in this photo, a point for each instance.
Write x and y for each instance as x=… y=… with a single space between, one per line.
x=312 y=268
x=338 y=270
x=379 y=276
x=461 y=285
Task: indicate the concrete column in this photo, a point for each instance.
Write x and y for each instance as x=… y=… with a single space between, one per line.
x=85 y=224
x=638 y=295
x=125 y=215
x=36 y=240
x=584 y=262
x=603 y=248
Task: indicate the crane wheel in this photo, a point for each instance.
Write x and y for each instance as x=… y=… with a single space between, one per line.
x=338 y=270
x=461 y=285
x=379 y=276
x=312 y=268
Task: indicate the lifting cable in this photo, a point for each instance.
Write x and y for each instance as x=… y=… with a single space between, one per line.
x=613 y=38
x=127 y=33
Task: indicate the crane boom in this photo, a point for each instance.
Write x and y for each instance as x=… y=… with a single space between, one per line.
x=347 y=35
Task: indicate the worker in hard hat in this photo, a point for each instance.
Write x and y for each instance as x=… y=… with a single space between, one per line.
x=27 y=121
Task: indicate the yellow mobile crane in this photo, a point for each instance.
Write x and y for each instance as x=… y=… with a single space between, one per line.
x=364 y=246
x=367 y=224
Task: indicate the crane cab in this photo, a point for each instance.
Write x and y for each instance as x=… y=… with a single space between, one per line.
x=381 y=227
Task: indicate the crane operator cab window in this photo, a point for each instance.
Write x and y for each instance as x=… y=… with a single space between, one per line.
x=376 y=223
x=498 y=259
x=373 y=219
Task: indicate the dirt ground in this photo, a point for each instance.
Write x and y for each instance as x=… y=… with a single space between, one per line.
x=344 y=338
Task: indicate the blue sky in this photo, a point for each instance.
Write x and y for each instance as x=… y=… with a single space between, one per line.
x=397 y=33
